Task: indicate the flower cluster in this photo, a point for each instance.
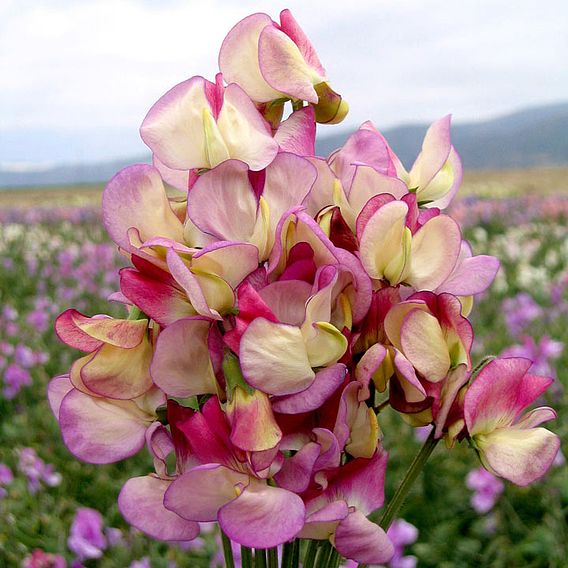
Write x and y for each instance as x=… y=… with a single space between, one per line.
x=275 y=305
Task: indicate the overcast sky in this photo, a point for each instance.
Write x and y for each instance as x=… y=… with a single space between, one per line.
x=77 y=76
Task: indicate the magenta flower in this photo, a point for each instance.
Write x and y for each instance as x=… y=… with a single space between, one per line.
x=41 y=559
x=86 y=538
x=486 y=487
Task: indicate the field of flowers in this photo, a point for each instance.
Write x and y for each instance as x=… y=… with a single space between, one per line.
x=56 y=511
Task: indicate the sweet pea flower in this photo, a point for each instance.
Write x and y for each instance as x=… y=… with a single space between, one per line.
x=230 y=204
x=199 y=124
x=339 y=512
x=119 y=354
x=508 y=442
x=86 y=539
x=436 y=174
x=272 y=61
x=221 y=483
x=401 y=244
x=198 y=284
x=432 y=343
x=290 y=337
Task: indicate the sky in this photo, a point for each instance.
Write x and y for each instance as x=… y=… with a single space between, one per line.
x=78 y=76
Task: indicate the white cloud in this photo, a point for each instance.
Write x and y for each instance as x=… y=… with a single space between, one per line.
x=102 y=63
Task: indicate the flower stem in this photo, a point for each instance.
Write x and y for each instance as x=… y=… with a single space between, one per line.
x=287 y=554
x=324 y=555
x=273 y=557
x=246 y=557
x=227 y=551
x=410 y=477
x=259 y=558
x=311 y=553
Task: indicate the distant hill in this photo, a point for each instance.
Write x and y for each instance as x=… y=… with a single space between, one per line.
x=529 y=138
x=532 y=137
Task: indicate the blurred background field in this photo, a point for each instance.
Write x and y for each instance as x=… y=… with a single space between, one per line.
x=54 y=254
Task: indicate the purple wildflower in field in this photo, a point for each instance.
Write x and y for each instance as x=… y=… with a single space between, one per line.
x=402 y=533
x=15 y=377
x=86 y=539
x=486 y=487
x=114 y=537
x=519 y=311
x=6 y=477
x=40 y=559
x=541 y=353
x=24 y=356
x=36 y=470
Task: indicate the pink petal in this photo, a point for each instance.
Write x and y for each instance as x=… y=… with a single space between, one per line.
x=297 y=134
x=434 y=252
x=223 y=203
x=519 y=455
x=141 y=502
x=471 y=276
x=161 y=301
x=500 y=393
x=297 y=470
x=274 y=359
x=199 y=493
x=292 y=29
x=359 y=539
x=262 y=516
x=247 y=135
x=119 y=373
x=238 y=58
x=325 y=383
x=284 y=68
x=181 y=365
x=435 y=151
x=98 y=430
x=57 y=389
x=231 y=261
x=424 y=345
x=176 y=178
x=288 y=181
x=135 y=197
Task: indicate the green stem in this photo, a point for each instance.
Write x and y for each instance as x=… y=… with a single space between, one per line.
x=227 y=551
x=410 y=477
x=324 y=555
x=246 y=557
x=297 y=105
x=486 y=360
x=273 y=557
x=296 y=554
x=259 y=558
x=335 y=559
x=311 y=553
x=287 y=555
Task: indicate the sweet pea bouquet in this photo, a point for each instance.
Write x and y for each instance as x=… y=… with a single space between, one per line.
x=276 y=304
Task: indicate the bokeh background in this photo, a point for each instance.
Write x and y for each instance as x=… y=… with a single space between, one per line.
x=76 y=80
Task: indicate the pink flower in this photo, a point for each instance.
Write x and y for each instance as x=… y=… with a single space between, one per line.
x=509 y=443
x=41 y=559
x=487 y=489
x=86 y=539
